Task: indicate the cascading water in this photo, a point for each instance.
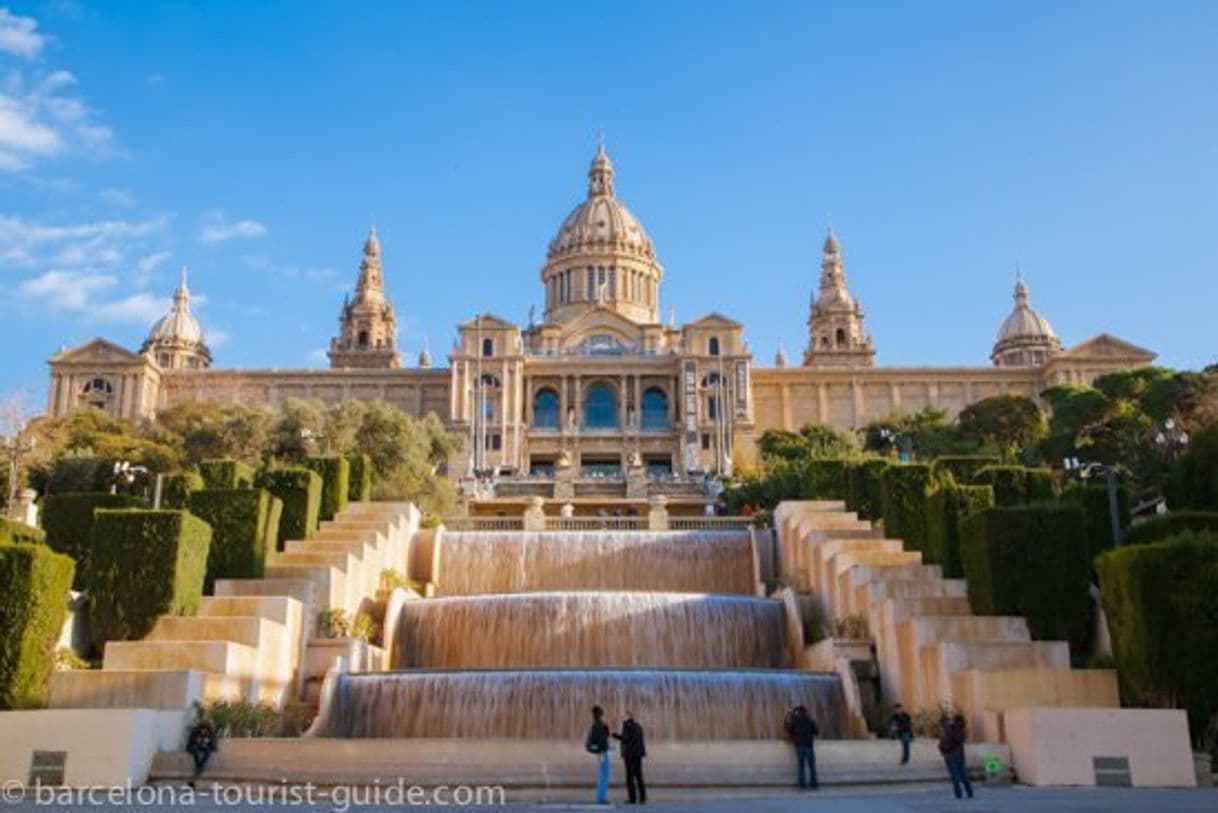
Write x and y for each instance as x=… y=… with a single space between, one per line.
x=515 y=561
x=532 y=629
x=744 y=704
x=591 y=629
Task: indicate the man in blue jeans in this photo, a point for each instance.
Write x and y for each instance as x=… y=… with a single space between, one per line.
x=802 y=730
x=598 y=745
x=952 y=734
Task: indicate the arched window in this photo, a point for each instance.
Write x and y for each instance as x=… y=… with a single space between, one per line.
x=841 y=337
x=655 y=409
x=545 y=409
x=363 y=338
x=712 y=346
x=490 y=380
x=600 y=407
x=488 y=347
x=97 y=393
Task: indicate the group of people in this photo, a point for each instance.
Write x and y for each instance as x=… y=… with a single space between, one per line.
x=633 y=750
x=801 y=730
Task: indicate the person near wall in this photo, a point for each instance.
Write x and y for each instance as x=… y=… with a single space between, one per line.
x=597 y=744
x=802 y=731
x=633 y=751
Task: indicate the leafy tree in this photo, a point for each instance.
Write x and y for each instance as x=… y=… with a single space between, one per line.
x=811 y=441
x=1009 y=422
x=926 y=434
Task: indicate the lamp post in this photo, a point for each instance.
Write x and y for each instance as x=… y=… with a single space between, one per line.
x=1085 y=472
x=125 y=474
x=14 y=447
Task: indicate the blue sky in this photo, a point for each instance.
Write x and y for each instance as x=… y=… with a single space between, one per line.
x=945 y=142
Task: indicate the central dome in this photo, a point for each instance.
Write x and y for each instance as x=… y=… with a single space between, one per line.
x=601 y=222
x=601 y=257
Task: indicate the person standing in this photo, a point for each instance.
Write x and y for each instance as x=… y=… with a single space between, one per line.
x=633 y=751
x=597 y=744
x=802 y=730
x=900 y=726
x=952 y=734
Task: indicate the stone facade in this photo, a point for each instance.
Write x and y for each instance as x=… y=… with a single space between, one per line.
x=600 y=383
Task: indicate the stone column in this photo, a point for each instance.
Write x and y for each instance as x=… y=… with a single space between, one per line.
x=535 y=515
x=657 y=513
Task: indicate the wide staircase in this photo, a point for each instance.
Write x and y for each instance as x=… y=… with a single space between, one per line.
x=251 y=639
x=931 y=650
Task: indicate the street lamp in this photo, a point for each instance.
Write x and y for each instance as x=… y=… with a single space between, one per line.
x=1085 y=472
x=14 y=448
x=125 y=474
x=1171 y=439
x=901 y=442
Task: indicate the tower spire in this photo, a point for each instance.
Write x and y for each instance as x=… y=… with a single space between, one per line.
x=835 y=321
x=181 y=294
x=600 y=174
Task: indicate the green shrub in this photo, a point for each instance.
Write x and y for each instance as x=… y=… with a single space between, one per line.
x=18 y=533
x=242 y=536
x=67 y=520
x=226 y=474
x=1016 y=485
x=300 y=490
x=359 y=480
x=963 y=468
x=1030 y=561
x=907 y=489
x=947 y=505
x=1170 y=524
x=1162 y=606
x=144 y=564
x=870 y=487
x=335 y=481
x=1093 y=498
x=34 y=584
x=177 y=488
x=1192 y=482
x=75 y=475
x=825 y=479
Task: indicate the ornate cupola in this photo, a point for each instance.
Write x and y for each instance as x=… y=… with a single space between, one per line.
x=601 y=257
x=1026 y=339
x=176 y=340
x=368 y=337
x=835 y=320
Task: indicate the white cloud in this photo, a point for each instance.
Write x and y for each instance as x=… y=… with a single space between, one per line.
x=21 y=132
x=118 y=197
x=19 y=35
x=263 y=264
x=217 y=228
x=146 y=265
x=216 y=337
x=15 y=231
x=81 y=293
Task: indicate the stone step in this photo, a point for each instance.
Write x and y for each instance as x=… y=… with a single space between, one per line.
x=941 y=661
x=247 y=630
x=299 y=589
x=219 y=657
x=280 y=609
x=174 y=689
x=981 y=694
x=329 y=583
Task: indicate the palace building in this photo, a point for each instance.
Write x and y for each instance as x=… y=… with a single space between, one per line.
x=601 y=386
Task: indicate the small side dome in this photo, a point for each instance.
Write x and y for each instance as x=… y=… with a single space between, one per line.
x=1025 y=338
x=176 y=339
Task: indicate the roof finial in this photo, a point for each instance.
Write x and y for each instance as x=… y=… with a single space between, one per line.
x=600 y=175
x=1021 y=288
x=182 y=294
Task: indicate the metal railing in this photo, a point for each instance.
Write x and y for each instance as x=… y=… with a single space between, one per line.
x=596 y=523
x=484 y=523
x=708 y=523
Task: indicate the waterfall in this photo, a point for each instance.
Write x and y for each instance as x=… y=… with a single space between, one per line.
x=671 y=704
x=513 y=561
x=591 y=629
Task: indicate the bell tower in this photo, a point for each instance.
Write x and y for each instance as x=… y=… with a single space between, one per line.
x=835 y=320
x=368 y=327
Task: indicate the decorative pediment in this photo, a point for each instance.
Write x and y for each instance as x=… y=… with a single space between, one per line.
x=97 y=351
x=488 y=321
x=714 y=319
x=1107 y=346
x=601 y=331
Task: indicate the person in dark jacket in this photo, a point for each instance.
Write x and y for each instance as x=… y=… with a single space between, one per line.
x=597 y=744
x=633 y=751
x=952 y=734
x=802 y=730
x=900 y=727
x=201 y=744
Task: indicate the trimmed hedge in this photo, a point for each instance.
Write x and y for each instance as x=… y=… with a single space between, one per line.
x=68 y=522
x=963 y=468
x=906 y=491
x=1162 y=606
x=177 y=488
x=76 y=475
x=948 y=504
x=1030 y=561
x=1093 y=498
x=335 y=477
x=226 y=473
x=34 y=585
x=244 y=528
x=300 y=490
x=144 y=564
x=18 y=533
x=1016 y=485
x=871 y=487
x=824 y=479
x=1170 y=524
x=359 y=480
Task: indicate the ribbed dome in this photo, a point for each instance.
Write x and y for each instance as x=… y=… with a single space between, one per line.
x=1024 y=323
x=178 y=325
x=601 y=223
